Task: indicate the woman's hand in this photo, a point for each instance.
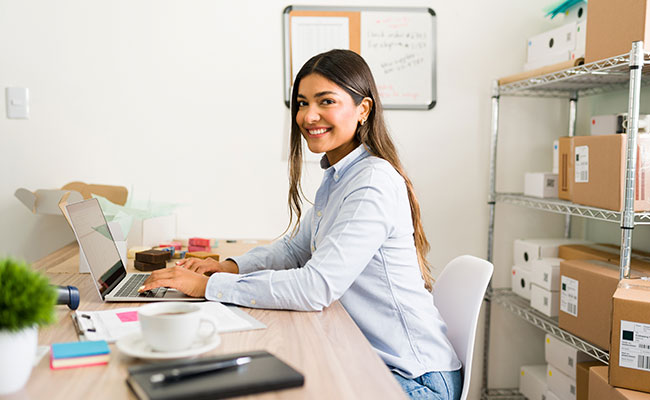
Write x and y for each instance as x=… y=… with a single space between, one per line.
x=189 y=282
x=208 y=266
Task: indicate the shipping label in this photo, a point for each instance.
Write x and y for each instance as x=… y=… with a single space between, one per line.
x=635 y=346
x=582 y=164
x=569 y=296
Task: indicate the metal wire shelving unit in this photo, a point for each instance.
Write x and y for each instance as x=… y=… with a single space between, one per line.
x=616 y=73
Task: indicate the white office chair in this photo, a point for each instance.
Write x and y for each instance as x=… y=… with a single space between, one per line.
x=458 y=293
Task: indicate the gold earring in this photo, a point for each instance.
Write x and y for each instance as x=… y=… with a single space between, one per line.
x=363 y=121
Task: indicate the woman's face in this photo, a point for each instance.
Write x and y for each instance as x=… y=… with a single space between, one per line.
x=328 y=117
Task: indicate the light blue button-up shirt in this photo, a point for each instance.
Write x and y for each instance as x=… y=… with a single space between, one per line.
x=355 y=245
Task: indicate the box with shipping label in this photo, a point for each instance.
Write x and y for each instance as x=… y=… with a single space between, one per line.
x=540 y=184
x=563 y=356
x=603 y=252
x=586 y=290
x=528 y=250
x=612 y=27
x=546 y=273
x=599 y=171
x=629 y=365
x=566 y=171
x=532 y=381
x=600 y=389
x=544 y=301
x=560 y=383
x=582 y=378
x=520 y=281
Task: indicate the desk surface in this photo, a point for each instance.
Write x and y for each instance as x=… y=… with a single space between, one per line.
x=327 y=347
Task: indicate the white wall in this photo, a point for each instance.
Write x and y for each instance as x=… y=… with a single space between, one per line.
x=182 y=101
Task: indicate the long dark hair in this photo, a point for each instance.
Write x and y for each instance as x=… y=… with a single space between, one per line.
x=349 y=71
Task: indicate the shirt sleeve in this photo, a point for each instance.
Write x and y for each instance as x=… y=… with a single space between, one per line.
x=288 y=252
x=361 y=226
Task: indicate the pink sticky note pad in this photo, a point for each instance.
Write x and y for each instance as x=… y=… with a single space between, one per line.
x=128 y=316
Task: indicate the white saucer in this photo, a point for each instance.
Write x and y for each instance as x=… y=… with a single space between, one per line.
x=135 y=346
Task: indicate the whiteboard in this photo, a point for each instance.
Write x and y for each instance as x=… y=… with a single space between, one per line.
x=397 y=43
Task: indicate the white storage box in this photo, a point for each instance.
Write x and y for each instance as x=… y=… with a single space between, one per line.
x=529 y=250
x=521 y=281
x=556 y=156
x=563 y=356
x=532 y=381
x=552 y=47
x=561 y=384
x=606 y=124
x=546 y=273
x=152 y=231
x=551 y=396
x=540 y=184
x=545 y=301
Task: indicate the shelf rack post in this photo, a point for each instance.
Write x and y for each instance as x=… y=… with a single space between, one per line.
x=573 y=117
x=494 y=132
x=627 y=216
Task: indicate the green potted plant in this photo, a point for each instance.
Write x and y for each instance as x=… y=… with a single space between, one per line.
x=26 y=302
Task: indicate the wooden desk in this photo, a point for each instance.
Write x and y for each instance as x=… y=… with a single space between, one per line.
x=327 y=347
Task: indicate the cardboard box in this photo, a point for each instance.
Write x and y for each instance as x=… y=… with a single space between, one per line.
x=612 y=26
x=545 y=301
x=46 y=201
x=599 y=389
x=630 y=341
x=581 y=41
x=566 y=165
x=552 y=46
x=603 y=252
x=532 y=381
x=560 y=384
x=599 y=177
x=526 y=251
x=582 y=378
x=546 y=273
x=540 y=184
x=551 y=396
x=563 y=356
x=520 y=281
x=587 y=287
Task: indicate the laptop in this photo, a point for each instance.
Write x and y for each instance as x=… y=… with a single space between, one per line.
x=106 y=268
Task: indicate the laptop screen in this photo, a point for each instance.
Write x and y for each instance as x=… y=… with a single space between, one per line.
x=97 y=243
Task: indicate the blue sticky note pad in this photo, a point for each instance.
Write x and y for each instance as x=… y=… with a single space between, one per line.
x=79 y=349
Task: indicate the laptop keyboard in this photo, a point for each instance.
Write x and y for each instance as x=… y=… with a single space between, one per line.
x=130 y=289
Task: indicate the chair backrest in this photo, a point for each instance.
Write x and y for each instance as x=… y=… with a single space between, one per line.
x=458 y=294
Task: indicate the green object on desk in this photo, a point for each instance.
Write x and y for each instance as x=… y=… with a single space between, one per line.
x=26 y=297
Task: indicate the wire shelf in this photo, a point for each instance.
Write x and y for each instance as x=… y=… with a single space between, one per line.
x=584 y=80
x=566 y=207
x=521 y=307
x=502 y=394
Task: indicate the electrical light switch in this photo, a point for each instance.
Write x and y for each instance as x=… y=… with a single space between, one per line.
x=17 y=103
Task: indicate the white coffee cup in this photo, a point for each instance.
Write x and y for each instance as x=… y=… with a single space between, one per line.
x=173 y=326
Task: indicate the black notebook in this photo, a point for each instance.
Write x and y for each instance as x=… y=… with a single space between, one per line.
x=265 y=372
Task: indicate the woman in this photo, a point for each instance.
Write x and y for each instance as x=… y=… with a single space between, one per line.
x=361 y=243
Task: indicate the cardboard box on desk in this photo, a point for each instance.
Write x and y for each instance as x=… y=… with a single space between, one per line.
x=612 y=26
x=599 y=179
x=587 y=287
x=566 y=168
x=46 y=201
x=630 y=340
x=152 y=231
x=600 y=389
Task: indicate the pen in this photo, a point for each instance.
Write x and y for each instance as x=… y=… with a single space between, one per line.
x=176 y=374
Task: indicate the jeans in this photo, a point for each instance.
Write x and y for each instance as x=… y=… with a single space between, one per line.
x=444 y=385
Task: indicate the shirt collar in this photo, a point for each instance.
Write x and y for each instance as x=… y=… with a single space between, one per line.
x=346 y=162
